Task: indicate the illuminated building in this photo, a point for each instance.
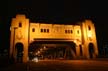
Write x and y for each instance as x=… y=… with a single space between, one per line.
x=24 y=32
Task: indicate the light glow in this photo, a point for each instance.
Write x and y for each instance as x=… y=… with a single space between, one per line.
x=44 y=47
x=10 y=28
x=89 y=34
x=35 y=59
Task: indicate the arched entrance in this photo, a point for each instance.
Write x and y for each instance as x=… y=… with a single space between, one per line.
x=70 y=52
x=91 y=50
x=19 y=52
x=52 y=50
x=81 y=51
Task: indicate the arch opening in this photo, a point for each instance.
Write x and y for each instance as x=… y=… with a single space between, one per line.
x=19 y=52
x=81 y=51
x=91 y=50
x=52 y=50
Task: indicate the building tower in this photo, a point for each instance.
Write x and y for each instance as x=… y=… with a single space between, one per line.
x=19 y=37
x=23 y=33
x=89 y=41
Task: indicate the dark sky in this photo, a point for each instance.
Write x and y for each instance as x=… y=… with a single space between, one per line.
x=57 y=11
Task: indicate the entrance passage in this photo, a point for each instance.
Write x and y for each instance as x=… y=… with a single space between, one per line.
x=19 y=52
x=91 y=50
x=52 y=50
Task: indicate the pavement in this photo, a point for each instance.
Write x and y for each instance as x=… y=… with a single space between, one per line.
x=59 y=65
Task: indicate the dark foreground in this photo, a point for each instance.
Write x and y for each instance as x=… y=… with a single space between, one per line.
x=59 y=65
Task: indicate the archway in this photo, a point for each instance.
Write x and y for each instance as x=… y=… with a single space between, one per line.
x=91 y=50
x=81 y=51
x=70 y=52
x=52 y=49
x=73 y=47
x=19 y=52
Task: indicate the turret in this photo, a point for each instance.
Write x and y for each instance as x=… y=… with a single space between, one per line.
x=89 y=41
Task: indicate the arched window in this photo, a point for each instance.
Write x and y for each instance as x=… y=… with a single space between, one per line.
x=77 y=31
x=20 y=24
x=89 y=28
x=71 y=31
x=47 y=30
x=33 y=29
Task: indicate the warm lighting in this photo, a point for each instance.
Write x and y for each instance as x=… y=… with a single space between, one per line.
x=26 y=32
x=35 y=59
x=75 y=41
x=44 y=47
x=38 y=52
x=10 y=28
x=27 y=58
x=41 y=49
x=89 y=34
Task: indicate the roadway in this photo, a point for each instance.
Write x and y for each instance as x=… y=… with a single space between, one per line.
x=60 y=65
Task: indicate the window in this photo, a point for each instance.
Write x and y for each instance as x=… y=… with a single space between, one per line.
x=45 y=30
x=20 y=24
x=78 y=31
x=68 y=31
x=41 y=30
x=33 y=29
x=89 y=28
x=71 y=31
x=65 y=31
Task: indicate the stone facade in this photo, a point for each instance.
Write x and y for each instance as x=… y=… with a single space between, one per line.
x=24 y=32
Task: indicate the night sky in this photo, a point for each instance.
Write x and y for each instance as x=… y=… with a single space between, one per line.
x=56 y=11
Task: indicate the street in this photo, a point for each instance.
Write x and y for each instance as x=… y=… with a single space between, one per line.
x=60 y=65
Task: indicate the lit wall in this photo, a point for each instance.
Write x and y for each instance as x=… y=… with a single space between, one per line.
x=54 y=31
x=25 y=32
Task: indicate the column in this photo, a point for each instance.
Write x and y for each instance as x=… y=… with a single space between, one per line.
x=25 y=53
x=77 y=51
